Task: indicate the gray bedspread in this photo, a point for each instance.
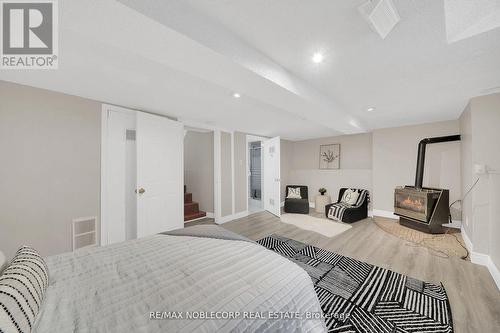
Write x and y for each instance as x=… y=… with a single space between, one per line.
x=208 y=231
x=135 y=285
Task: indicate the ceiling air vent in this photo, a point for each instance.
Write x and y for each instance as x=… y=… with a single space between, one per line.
x=381 y=15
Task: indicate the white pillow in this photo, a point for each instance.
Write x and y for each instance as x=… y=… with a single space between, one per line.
x=293 y=193
x=350 y=197
x=22 y=289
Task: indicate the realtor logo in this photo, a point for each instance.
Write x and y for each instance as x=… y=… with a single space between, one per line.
x=29 y=34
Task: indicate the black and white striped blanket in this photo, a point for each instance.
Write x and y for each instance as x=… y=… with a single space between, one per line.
x=338 y=209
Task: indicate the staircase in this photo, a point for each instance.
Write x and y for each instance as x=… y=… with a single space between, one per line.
x=191 y=209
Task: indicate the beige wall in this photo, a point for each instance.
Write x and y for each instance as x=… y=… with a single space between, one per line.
x=395 y=157
x=50 y=169
x=355 y=164
x=199 y=168
x=286 y=156
x=355 y=152
x=226 y=175
x=480 y=123
x=240 y=172
x=466 y=167
x=379 y=162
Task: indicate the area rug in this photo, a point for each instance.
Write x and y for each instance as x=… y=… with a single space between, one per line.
x=358 y=297
x=324 y=227
x=449 y=244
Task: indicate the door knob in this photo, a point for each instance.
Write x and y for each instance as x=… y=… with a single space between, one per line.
x=140 y=191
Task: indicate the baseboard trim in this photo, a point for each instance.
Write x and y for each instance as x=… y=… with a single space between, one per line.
x=467 y=241
x=456 y=224
x=495 y=273
x=232 y=217
x=384 y=213
x=481 y=259
x=210 y=215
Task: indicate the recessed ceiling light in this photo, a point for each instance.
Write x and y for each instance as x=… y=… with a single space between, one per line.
x=236 y=95
x=371 y=109
x=317 y=58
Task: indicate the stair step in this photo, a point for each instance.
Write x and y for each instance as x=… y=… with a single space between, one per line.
x=188 y=197
x=192 y=216
x=191 y=207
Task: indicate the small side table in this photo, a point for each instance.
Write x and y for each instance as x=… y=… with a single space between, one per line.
x=321 y=202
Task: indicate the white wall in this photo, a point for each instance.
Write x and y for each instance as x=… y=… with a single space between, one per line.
x=379 y=162
x=355 y=164
x=395 y=158
x=240 y=172
x=50 y=169
x=199 y=168
x=226 y=175
x=286 y=156
x=466 y=168
x=480 y=122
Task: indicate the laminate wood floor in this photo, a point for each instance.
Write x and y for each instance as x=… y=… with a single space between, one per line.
x=474 y=297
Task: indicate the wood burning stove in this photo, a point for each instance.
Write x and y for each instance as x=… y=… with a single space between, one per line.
x=422 y=208
x=415 y=204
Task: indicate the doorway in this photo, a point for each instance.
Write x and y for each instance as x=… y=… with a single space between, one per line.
x=255 y=176
x=141 y=174
x=271 y=156
x=198 y=173
x=263 y=174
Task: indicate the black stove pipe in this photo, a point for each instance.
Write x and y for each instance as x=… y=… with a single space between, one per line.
x=419 y=177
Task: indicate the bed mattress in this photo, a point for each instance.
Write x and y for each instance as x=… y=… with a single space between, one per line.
x=155 y=284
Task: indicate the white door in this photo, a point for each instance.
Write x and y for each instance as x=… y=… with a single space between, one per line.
x=119 y=192
x=160 y=174
x=272 y=182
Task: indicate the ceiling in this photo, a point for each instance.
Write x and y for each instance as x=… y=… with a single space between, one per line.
x=187 y=58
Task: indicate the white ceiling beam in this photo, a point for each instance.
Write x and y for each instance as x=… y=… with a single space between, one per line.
x=179 y=16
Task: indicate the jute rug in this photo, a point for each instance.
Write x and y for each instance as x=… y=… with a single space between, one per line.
x=449 y=244
x=325 y=227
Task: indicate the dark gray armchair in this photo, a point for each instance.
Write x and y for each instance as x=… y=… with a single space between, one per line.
x=297 y=206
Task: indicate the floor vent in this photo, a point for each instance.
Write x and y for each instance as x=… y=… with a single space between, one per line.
x=382 y=16
x=84 y=232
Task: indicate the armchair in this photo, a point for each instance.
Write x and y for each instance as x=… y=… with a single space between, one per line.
x=298 y=206
x=349 y=213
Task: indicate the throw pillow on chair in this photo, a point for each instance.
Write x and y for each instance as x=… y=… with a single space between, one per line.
x=350 y=197
x=294 y=193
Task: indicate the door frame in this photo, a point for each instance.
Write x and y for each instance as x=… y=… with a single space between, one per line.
x=104 y=209
x=217 y=131
x=197 y=127
x=253 y=138
x=264 y=196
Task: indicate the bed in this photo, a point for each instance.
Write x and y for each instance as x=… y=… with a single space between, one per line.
x=154 y=284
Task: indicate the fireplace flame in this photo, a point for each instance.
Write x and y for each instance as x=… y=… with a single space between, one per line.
x=416 y=204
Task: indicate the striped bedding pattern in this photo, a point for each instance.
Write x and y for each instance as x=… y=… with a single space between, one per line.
x=337 y=210
x=115 y=288
x=22 y=290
